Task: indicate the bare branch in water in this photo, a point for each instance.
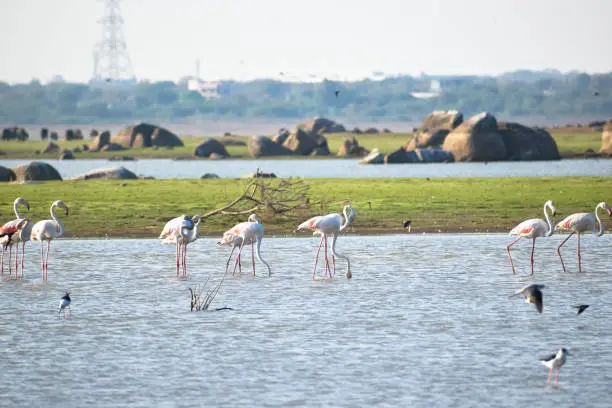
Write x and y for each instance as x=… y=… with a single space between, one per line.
x=198 y=303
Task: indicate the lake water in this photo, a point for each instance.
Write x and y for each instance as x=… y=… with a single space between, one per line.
x=179 y=169
x=426 y=320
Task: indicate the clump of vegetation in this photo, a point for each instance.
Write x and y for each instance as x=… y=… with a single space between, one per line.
x=199 y=302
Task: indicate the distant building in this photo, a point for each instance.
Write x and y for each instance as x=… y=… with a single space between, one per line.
x=435 y=90
x=208 y=89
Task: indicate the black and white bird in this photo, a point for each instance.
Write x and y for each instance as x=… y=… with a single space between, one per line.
x=581 y=308
x=555 y=362
x=407 y=224
x=532 y=294
x=65 y=303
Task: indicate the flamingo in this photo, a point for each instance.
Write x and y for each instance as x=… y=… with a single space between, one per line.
x=249 y=231
x=533 y=228
x=181 y=231
x=23 y=236
x=9 y=232
x=579 y=223
x=325 y=225
x=47 y=230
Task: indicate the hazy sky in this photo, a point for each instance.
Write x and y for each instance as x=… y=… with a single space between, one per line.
x=345 y=39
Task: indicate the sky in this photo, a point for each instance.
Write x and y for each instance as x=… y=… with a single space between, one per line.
x=336 y=39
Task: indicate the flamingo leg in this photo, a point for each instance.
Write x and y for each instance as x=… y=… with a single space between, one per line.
x=557 y=379
x=185 y=259
x=10 y=258
x=17 y=261
x=510 y=256
x=326 y=266
x=47 y=260
x=317 y=258
x=559 y=249
x=579 y=263
x=334 y=263
x=42 y=259
x=2 y=260
x=238 y=257
x=550 y=375
x=22 y=257
x=253 y=255
x=532 y=251
x=178 y=251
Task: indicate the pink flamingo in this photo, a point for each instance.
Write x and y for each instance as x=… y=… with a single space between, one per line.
x=8 y=233
x=533 y=228
x=578 y=223
x=47 y=230
x=239 y=234
x=22 y=236
x=181 y=231
x=325 y=225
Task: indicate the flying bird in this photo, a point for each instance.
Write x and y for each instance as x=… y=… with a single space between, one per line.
x=595 y=93
x=325 y=225
x=251 y=231
x=579 y=223
x=181 y=231
x=63 y=304
x=555 y=362
x=22 y=236
x=48 y=230
x=581 y=308
x=533 y=228
x=532 y=294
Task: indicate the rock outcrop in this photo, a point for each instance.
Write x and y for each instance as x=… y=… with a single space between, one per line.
x=263 y=146
x=146 y=135
x=320 y=125
x=209 y=147
x=303 y=142
x=476 y=139
x=527 y=143
x=110 y=173
x=7 y=174
x=375 y=157
x=434 y=129
x=350 y=148
x=36 y=171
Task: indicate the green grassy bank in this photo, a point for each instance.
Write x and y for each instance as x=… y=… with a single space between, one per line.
x=140 y=208
x=567 y=141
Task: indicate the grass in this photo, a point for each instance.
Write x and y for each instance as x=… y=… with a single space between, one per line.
x=567 y=141
x=140 y=208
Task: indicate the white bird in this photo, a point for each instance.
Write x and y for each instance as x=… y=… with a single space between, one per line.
x=181 y=231
x=65 y=303
x=242 y=233
x=579 y=223
x=533 y=228
x=47 y=230
x=325 y=225
x=22 y=236
x=555 y=362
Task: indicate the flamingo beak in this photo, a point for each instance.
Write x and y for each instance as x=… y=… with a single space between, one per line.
x=554 y=212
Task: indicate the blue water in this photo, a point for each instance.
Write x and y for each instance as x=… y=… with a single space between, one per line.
x=426 y=320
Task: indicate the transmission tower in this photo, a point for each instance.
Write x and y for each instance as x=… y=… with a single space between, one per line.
x=111 y=59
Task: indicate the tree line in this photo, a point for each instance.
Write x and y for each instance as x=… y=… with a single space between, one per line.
x=548 y=94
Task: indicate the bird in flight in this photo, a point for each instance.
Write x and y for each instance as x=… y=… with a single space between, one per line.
x=581 y=308
x=532 y=294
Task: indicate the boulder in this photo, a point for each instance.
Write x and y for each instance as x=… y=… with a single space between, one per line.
x=350 y=147
x=66 y=154
x=371 y=131
x=110 y=173
x=281 y=136
x=263 y=146
x=526 y=143
x=51 y=148
x=232 y=142
x=36 y=171
x=146 y=135
x=100 y=141
x=112 y=147
x=375 y=157
x=320 y=125
x=401 y=155
x=320 y=151
x=442 y=120
x=302 y=142
x=606 y=138
x=428 y=138
x=209 y=176
x=209 y=147
x=477 y=139
x=53 y=136
x=216 y=156
x=434 y=156
x=7 y=174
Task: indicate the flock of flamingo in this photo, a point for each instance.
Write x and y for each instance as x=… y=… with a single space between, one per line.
x=183 y=230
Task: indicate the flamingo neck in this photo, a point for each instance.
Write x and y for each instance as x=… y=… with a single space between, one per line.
x=60 y=226
x=16 y=209
x=601 y=229
x=347 y=220
x=336 y=254
x=548 y=221
x=258 y=253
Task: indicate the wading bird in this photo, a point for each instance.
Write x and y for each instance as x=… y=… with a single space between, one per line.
x=532 y=294
x=10 y=232
x=555 y=362
x=63 y=304
x=533 y=229
x=242 y=233
x=579 y=223
x=325 y=225
x=22 y=236
x=181 y=231
x=47 y=230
